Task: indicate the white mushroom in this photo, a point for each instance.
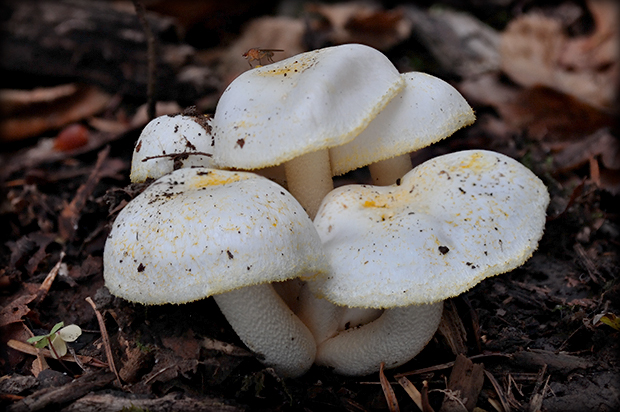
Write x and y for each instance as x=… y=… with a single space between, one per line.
x=172 y=139
x=426 y=111
x=293 y=110
x=447 y=225
x=202 y=232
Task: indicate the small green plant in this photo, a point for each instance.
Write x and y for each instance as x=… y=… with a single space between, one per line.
x=57 y=338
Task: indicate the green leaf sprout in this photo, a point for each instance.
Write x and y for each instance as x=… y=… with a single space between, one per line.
x=57 y=339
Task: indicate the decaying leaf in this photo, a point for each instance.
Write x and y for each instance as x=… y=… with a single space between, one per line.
x=535 y=50
x=609 y=319
x=30 y=113
x=14 y=311
x=551 y=115
x=356 y=22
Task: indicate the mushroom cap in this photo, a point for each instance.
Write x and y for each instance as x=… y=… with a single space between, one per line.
x=171 y=135
x=450 y=223
x=312 y=101
x=198 y=232
x=426 y=111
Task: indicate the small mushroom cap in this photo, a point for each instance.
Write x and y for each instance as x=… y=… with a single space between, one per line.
x=426 y=111
x=198 y=232
x=312 y=101
x=172 y=135
x=452 y=221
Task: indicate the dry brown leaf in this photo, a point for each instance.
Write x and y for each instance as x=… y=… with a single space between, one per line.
x=14 y=311
x=535 y=50
x=16 y=101
x=31 y=350
x=550 y=115
x=601 y=143
x=186 y=346
x=356 y=22
x=390 y=396
x=52 y=109
x=412 y=391
x=543 y=112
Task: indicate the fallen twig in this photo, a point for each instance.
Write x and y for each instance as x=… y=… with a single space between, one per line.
x=390 y=396
x=31 y=350
x=106 y=340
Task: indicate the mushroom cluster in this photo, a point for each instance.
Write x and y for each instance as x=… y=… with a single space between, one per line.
x=376 y=263
x=329 y=111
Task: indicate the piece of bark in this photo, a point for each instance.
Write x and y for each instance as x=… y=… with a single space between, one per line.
x=48 y=398
x=452 y=329
x=556 y=362
x=116 y=401
x=461 y=44
x=94 y=42
x=464 y=385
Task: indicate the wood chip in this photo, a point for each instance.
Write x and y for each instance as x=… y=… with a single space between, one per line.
x=465 y=384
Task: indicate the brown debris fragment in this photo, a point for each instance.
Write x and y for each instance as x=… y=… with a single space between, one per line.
x=52 y=398
x=46 y=353
x=504 y=401
x=412 y=391
x=138 y=360
x=538 y=394
x=464 y=385
x=49 y=279
x=28 y=251
x=390 y=396
x=556 y=362
x=106 y=341
x=452 y=329
x=69 y=217
x=15 y=310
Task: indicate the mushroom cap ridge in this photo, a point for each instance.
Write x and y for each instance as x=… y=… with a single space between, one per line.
x=453 y=221
x=308 y=102
x=197 y=232
x=426 y=111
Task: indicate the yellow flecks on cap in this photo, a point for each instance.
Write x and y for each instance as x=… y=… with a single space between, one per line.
x=476 y=162
x=213 y=178
x=296 y=66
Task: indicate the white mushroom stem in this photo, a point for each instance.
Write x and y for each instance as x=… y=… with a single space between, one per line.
x=387 y=172
x=269 y=328
x=309 y=179
x=395 y=338
x=320 y=315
